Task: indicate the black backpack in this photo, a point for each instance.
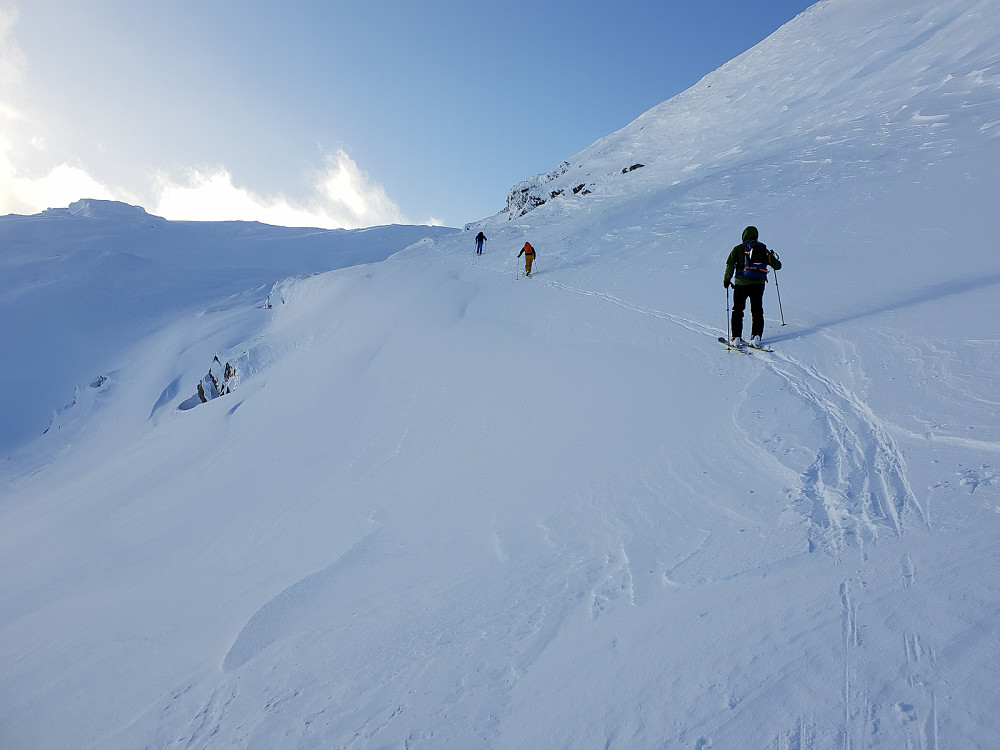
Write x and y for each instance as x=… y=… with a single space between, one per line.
x=755 y=260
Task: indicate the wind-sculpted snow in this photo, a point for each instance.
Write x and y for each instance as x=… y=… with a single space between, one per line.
x=286 y=609
x=449 y=506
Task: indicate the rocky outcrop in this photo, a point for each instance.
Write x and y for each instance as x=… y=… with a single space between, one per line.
x=529 y=194
x=536 y=191
x=220 y=380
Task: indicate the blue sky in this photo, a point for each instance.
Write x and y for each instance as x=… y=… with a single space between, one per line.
x=337 y=113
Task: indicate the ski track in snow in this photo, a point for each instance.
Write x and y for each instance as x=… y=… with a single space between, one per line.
x=857 y=485
x=855 y=490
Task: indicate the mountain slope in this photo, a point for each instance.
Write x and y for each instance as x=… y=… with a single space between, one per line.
x=453 y=507
x=82 y=281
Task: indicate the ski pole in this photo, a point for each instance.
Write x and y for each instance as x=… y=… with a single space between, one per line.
x=779 y=297
x=729 y=336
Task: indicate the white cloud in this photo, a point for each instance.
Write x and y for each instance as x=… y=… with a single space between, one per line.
x=211 y=196
x=343 y=195
x=346 y=189
x=344 y=198
x=62 y=185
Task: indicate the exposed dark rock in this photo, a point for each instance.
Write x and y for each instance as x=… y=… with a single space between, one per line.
x=220 y=380
x=529 y=194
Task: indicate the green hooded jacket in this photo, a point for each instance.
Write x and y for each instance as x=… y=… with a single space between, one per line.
x=736 y=258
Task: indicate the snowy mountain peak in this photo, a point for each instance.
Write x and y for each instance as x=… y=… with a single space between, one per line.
x=92 y=208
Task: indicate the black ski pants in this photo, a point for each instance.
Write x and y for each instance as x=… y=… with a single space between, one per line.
x=754 y=293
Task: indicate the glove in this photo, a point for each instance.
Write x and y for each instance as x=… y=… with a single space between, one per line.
x=725 y=283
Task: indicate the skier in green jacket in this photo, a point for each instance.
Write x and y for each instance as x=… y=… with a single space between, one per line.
x=749 y=263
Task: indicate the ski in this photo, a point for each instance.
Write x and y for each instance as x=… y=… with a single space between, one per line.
x=732 y=348
x=743 y=349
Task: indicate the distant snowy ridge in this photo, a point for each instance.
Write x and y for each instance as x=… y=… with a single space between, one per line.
x=90 y=208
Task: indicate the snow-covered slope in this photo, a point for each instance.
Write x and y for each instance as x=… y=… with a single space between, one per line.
x=83 y=282
x=841 y=92
x=451 y=507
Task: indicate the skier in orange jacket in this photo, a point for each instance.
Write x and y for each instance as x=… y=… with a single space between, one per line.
x=529 y=257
